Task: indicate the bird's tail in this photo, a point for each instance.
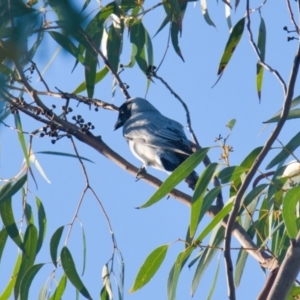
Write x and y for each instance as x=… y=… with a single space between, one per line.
x=192 y=179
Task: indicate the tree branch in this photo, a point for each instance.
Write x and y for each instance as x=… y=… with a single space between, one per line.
x=288 y=271
x=237 y=203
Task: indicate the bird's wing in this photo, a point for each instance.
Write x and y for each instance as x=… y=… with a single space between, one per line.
x=159 y=132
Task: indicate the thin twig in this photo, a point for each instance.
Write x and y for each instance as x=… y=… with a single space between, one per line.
x=106 y=62
x=292 y=16
x=40 y=75
x=257 y=52
x=285 y=111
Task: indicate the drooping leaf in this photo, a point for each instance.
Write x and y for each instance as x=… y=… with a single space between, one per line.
x=290 y=147
x=8 y=220
x=261 y=44
x=175 y=271
x=163 y=24
x=55 y=239
x=232 y=43
x=67 y=44
x=42 y=220
x=28 y=256
x=177 y=176
x=214 y=283
x=21 y=137
x=174 y=39
x=205 y=13
x=9 y=288
x=288 y=211
x=241 y=261
x=149 y=267
x=206 y=258
x=84 y=247
x=60 y=289
x=64 y=154
x=113 y=45
x=27 y=280
x=71 y=272
x=198 y=195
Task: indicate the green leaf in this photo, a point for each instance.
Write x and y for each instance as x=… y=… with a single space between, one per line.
x=289 y=148
x=253 y=194
x=294 y=292
x=248 y=161
x=3 y=239
x=289 y=211
x=293 y=114
x=27 y=280
x=230 y=174
x=84 y=248
x=64 y=155
x=215 y=221
x=231 y=124
x=82 y=87
x=198 y=196
x=206 y=258
x=8 y=290
x=28 y=213
x=42 y=223
x=261 y=44
x=177 y=176
x=21 y=137
x=209 y=198
x=163 y=24
x=175 y=271
x=113 y=46
x=54 y=242
x=28 y=256
x=8 y=220
x=205 y=13
x=241 y=260
x=91 y=60
x=174 y=39
x=104 y=294
x=232 y=43
x=214 y=283
x=149 y=267
x=67 y=44
x=59 y=291
x=9 y=189
x=71 y=272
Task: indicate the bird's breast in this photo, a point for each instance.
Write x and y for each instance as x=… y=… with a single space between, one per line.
x=149 y=156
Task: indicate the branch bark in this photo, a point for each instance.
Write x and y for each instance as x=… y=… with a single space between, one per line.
x=288 y=271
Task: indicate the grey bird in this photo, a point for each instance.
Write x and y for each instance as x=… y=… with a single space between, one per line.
x=154 y=139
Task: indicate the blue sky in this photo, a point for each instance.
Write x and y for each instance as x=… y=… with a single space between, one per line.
x=138 y=232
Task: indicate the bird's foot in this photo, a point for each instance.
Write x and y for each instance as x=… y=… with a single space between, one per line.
x=140 y=173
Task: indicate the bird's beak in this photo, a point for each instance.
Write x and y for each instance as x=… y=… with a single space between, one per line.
x=118 y=124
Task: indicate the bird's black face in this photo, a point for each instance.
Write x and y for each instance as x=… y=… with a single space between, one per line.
x=124 y=115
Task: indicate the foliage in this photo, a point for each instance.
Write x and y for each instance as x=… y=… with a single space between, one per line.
x=266 y=214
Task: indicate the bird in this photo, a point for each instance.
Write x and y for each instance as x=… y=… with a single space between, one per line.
x=154 y=139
